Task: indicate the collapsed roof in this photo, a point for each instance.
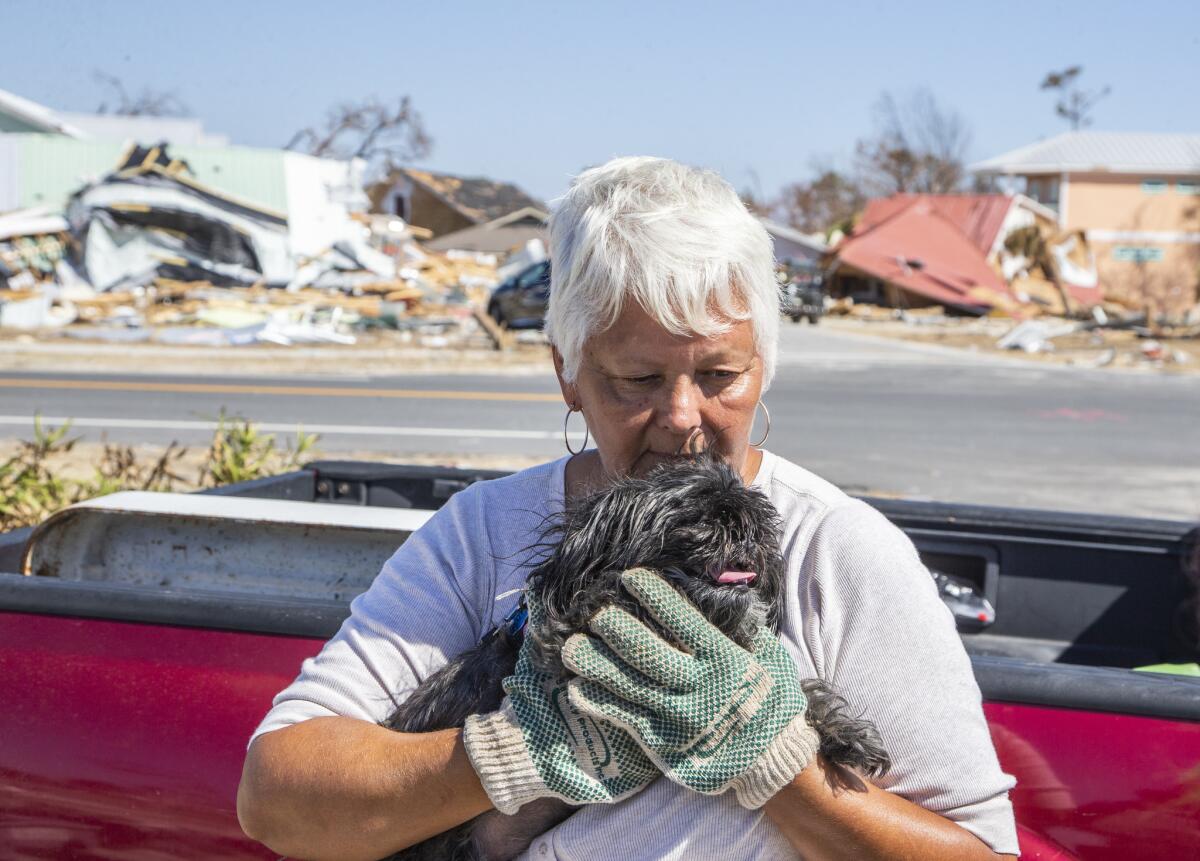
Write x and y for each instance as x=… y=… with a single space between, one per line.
x=149 y=218
x=979 y=216
x=499 y=235
x=934 y=246
x=476 y=198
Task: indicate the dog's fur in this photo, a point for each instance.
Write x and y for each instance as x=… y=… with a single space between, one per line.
x=690 y=520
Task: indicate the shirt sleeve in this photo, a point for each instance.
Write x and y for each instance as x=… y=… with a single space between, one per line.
x=422 y=609
x=885 y=640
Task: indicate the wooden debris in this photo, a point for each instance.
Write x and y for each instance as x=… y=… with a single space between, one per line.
x=500 y=338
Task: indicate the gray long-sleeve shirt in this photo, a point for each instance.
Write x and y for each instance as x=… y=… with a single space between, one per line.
x=860 y=611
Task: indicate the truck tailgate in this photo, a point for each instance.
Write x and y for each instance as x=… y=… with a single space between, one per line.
x=125 y=740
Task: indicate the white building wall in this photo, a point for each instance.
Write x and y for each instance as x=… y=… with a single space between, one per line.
x=10 y=173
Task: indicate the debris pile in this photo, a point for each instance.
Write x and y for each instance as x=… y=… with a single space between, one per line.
x=33 y=250
x=1102 y=339
x=147 y=253
x=993 y=272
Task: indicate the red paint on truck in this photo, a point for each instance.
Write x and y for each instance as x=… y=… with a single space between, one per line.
x=126 y=740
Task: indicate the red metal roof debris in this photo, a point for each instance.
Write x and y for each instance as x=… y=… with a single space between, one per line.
x=979 y=216
x=930 y=245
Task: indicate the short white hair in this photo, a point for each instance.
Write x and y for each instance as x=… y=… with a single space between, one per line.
x=676 y=239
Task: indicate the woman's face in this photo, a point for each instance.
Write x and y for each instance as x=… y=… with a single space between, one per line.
x=646 y=392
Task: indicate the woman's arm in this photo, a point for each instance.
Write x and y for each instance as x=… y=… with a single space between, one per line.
x=337 y=787
x=871 y=619
x=826 y=821
x=322 y=779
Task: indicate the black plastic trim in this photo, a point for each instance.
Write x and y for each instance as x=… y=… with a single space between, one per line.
x=12 y=548
x=361 y=470
x=298 y=485
x=1028 y=523
x=212 y=610
x=1099 y=689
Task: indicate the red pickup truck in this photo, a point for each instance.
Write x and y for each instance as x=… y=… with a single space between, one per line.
x=142 y=637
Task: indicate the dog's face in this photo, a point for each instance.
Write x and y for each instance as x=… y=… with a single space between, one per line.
x=694 y=521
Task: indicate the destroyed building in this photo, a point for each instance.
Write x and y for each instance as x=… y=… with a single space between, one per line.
x=443 y=203
x=208 y=244
x=956 y=251
x=1135 y=197
x=47 y=155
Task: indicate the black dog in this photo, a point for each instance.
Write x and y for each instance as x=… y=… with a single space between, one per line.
x=694 y=521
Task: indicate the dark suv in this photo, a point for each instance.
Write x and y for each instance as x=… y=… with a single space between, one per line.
x=803 y=294
x=519 y=301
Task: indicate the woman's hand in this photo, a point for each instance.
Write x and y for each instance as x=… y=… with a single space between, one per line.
x=539 y=745
x=714 y=718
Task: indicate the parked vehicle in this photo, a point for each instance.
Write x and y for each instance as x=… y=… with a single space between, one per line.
x=520 y=301
x=142 y=636
x=802 y=296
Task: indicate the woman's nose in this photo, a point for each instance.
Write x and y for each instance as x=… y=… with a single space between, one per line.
x=681 y=413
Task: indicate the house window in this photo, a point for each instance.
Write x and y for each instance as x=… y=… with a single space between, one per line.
x=1154 y=186
x=1044 y=190
x=1137 y=254
x=1188 y=187
x=399 y=200
x=401 y=204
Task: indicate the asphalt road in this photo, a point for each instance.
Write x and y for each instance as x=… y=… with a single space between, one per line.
x=870 y=415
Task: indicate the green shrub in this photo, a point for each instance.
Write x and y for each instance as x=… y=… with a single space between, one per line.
x=241 y=452
x=33 y=484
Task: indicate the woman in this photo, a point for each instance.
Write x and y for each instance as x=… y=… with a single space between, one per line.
x=663 y=318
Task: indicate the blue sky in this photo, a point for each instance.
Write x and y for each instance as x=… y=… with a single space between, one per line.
x=533 y=91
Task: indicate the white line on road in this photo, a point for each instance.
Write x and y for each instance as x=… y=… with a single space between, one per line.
x=275 y=427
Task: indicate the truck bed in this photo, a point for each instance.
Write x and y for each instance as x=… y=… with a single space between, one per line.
x=134 y=698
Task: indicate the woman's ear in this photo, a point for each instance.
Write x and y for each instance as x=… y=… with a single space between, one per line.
x=569 y=392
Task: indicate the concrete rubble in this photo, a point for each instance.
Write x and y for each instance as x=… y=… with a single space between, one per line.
x=148 y=254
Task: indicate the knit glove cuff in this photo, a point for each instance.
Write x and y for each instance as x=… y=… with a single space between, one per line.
x=500 y=755
x=785 y=757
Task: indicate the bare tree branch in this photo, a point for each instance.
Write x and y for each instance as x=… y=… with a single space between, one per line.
x=828 y=201
x=147 y=103
x=917 y=147
x=382 y=133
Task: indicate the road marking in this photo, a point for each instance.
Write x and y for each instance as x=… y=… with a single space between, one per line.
x=1071 y=414
x=278 y=427
x=235 y=389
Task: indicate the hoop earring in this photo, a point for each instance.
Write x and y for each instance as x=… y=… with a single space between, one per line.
x=767 y=432
x=587 y=433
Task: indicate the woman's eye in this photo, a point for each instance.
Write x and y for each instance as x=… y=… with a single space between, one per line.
x=641 y=381
x=722 y=375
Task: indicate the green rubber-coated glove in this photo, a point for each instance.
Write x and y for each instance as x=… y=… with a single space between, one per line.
x=713 y=718
x=538 y=745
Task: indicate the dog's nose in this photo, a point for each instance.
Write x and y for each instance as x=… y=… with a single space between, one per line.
x=737 y=577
